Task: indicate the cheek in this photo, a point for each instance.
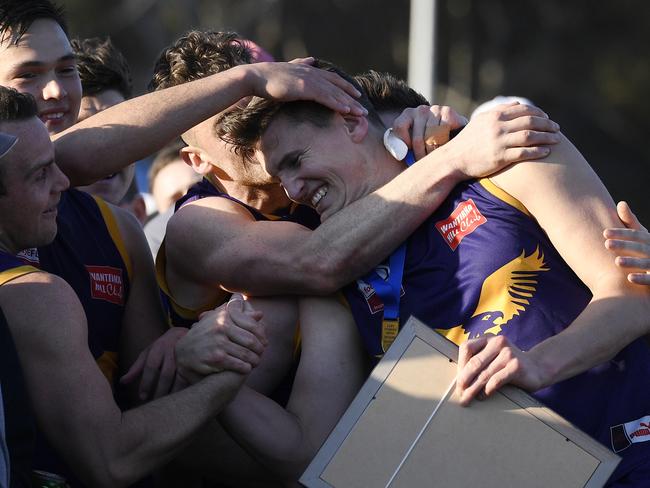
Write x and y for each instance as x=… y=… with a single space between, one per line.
x=73 y=89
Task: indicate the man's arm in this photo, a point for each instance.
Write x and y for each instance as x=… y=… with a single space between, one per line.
x=573 y=207
x=229 y=248
x=143 y=125
x=330 y=373
x=73 y=401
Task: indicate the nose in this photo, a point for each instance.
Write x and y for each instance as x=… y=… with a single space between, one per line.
x=53 y=90
x=61 y=181
x=294 y=188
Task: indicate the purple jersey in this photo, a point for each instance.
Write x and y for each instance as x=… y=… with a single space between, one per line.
x=481 y=265
x=89 y=254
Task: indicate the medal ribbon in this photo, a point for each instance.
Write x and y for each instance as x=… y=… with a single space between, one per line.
x=390 y=290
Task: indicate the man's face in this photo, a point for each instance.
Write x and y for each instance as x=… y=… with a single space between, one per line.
x=43 y=65
x=228 y=164
x=33 y=184
x=319 y=167
x=114 y=187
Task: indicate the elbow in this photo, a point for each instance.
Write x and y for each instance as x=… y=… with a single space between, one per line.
x=329 y=271
x=113 y=474
x=323 y=276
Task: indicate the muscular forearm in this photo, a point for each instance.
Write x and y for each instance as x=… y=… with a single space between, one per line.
x=362 y=234
x=149 y=436
x=270 y=434
x=139 y=127
x=609 y=323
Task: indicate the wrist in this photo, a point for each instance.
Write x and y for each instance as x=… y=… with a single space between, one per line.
x=248 y=78
x=451 y=165
x=547 y=369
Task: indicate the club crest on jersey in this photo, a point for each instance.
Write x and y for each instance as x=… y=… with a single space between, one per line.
x=29 y=256
x=106 y=284
x=624 y=435
x=464 y=220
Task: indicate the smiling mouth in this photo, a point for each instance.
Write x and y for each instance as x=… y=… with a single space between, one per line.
x=318 y=196
x=51 y=210
x=53 y=116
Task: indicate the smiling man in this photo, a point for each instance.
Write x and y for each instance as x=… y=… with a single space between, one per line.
x=72 y=401
x=37 y=59
x=511 y=268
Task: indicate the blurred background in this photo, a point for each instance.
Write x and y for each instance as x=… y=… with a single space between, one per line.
x=583 y=62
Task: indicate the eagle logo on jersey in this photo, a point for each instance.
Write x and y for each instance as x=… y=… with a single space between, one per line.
x=504 y=295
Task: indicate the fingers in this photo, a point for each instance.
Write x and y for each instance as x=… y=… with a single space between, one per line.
x=628 y=245
x=136 y=369
x=473 y=359
x=627 y=217
x=639 y=278
x=517 y=154
x=340 y=95
x=308 y=60
x=248 y=331
x=402 y=125
x=166 y=376
x=422 y=118
x=510 y=111
x=530 y=129
x=150 y=374
x=487 y=365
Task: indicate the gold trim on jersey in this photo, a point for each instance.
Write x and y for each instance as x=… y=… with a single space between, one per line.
x=114 y=231
x=186 y=313
x=503 y=195
x=13 y=273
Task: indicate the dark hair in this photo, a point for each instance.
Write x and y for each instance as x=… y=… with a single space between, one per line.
x=16 y=16
x=389 y=93
x=244 y=127
x=14 y=106
x=196 y=55
x=102 y=67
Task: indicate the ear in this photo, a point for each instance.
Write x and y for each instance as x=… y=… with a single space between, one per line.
x=356 y=126
x=197 y=160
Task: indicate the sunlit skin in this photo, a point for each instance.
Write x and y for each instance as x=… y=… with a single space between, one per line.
x=114 y=187
x=242 y=179
x=326 y=168
x=42 y=64
x=33 y=184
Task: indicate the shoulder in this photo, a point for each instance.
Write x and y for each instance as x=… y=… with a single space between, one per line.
x=40 y=302
x=207 y=216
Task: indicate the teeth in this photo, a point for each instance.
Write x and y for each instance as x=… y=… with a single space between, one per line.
x=322 y=191
x=53 y=116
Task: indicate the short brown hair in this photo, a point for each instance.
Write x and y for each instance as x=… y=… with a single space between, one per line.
x=196 y=55
x=244 y=127
x=17 y=16
x=102 y=67
x=389 y=93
